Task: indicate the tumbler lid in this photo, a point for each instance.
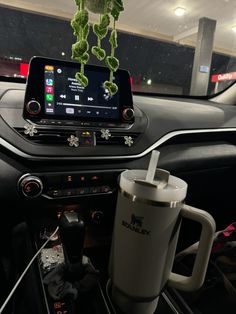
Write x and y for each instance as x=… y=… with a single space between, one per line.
x=153 y=184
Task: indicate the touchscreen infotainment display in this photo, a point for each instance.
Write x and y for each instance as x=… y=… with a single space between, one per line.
x=65 y=96
x=53 y=93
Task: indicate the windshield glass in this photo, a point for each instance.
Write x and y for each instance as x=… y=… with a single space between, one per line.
x=169 y=47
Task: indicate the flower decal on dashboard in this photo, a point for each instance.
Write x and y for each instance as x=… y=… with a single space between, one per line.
x=105 y=133
x=128 y=140
x=30 y=129
x=73 y=141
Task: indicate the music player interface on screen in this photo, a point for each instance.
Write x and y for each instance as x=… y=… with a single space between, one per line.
x=65 y=96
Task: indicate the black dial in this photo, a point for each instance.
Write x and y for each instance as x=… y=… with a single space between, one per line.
x=97 y=216
x=31 y=186
x=128 y=114
x=33 y=107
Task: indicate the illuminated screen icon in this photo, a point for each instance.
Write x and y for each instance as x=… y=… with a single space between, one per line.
x=49 y=110
x=49 y=97
x=49 y=82
x=49 y=68
x=70 y=110
x=77 y=97
x=49 y=89
x=59 y=71
x=106 y=95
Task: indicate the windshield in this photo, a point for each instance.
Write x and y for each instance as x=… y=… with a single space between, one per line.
x=169 y=47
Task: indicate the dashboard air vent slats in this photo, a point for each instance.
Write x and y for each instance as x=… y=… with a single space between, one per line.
x=116 y=138
x=60 y=137
x=50 y=137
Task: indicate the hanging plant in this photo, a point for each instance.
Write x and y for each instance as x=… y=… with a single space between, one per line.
x=107 y=10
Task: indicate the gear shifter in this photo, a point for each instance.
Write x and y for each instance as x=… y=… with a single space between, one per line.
x=76 y=276
x=72 y=231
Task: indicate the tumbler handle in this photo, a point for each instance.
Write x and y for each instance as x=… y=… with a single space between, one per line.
x=196 y=280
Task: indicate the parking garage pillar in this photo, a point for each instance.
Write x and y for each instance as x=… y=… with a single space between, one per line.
x=203 y=56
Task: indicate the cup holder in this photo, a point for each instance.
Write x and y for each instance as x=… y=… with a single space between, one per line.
x=164 y=305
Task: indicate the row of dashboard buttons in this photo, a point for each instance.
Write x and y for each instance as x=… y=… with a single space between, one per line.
x=79 y=191
x=81 y=123
x=76 y=180
x=66 y=185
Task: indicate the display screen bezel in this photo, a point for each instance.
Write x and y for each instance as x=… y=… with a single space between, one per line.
x=35 y=89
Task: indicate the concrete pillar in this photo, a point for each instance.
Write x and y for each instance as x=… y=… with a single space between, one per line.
x=203 y=57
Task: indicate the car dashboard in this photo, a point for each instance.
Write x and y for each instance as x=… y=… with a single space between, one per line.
x=45 y=170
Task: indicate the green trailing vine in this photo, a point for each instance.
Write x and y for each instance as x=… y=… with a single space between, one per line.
x=106 y=9
x=100 y=30
x=81 y=30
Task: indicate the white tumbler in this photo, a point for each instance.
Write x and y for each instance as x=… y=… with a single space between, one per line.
x=149 y=210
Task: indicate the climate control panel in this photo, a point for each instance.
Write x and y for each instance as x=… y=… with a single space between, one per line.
x=66 y=185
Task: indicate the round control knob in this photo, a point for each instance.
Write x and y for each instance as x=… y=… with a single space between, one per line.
x=97 y=216
x=33 y=107
x=31 y=186
x=128 y=114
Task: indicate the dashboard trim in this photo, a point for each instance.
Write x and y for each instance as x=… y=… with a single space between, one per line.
x=159 y=142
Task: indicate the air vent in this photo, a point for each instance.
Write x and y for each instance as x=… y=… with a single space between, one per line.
x=48 y=137
x=117 y=138
x=60 y=137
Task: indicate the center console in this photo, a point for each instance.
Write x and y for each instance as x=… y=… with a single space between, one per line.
x=67 y=277
x=67 y=135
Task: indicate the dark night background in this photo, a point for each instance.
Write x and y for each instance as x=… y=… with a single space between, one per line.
x=168 y=65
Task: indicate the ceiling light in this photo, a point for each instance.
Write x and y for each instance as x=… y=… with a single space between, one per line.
x=234 y=29
x=180 y=11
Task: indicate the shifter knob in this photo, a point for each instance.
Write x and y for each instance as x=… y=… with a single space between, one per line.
x=72 y=231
